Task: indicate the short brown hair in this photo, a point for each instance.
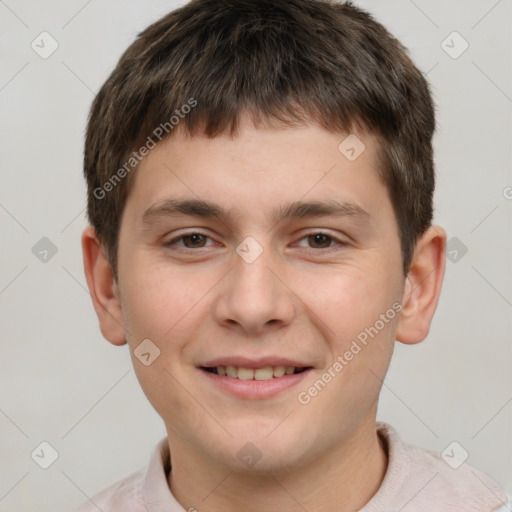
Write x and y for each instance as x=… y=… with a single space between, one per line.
x=285 y=61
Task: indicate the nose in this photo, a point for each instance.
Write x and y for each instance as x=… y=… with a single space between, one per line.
x=254 y=298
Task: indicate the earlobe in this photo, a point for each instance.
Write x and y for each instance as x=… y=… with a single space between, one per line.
x=422 y=286
x=103 y=288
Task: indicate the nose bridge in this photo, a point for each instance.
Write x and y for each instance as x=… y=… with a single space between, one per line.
x=253 y=297
x=252 y=275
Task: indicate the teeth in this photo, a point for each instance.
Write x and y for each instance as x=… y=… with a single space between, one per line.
x=265 y=373
x=245 y=373
x=279 y=371
x=231 y=371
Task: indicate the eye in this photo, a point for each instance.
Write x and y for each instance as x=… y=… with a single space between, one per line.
x=192 y=240
x=198 y=240
x=321 y=240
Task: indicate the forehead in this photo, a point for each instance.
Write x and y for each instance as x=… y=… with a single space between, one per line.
x=261 y=169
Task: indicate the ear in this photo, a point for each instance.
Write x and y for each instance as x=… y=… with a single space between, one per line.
x=422 y=286
x=103 y=288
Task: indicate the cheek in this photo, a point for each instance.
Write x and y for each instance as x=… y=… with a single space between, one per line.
x=159 y=300
x=164 y=389
x=348 y=302
x=161 y=308
x=359 y=341
x=358 y=322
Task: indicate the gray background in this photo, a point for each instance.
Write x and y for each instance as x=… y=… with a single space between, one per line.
x=62 y=383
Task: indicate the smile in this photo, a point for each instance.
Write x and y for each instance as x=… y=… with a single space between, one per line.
x=254 y=383
x=264 y=373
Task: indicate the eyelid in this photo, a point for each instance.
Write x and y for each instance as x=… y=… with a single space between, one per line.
x=337 y=240
x=191 y=232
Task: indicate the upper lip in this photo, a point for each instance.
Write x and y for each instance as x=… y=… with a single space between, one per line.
x=245 y=362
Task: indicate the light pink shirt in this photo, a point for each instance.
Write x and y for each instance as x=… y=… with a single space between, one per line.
x=416 y=480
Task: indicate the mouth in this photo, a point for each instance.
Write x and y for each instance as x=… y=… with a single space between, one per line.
x=263 y=373
x=257 y=383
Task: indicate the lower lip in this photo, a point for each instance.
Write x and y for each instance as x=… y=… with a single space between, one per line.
x=255 y=389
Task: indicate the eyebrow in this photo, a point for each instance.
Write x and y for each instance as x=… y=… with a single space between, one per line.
x=207 y=209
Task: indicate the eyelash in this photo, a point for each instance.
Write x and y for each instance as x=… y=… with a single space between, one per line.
x=174 y=241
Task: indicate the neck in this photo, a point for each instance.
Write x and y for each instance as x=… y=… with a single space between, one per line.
x=344 y=479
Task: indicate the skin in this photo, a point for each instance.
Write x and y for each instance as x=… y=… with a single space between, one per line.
x=303 y=297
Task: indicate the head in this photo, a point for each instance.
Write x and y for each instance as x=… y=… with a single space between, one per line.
x=298 y=132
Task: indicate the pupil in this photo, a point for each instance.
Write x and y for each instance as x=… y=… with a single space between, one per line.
x=196 y=238
x=320 y=239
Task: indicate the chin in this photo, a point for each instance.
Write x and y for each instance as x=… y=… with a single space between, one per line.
x=265 y=450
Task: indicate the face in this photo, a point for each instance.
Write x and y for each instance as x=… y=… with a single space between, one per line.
x=269 y=249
